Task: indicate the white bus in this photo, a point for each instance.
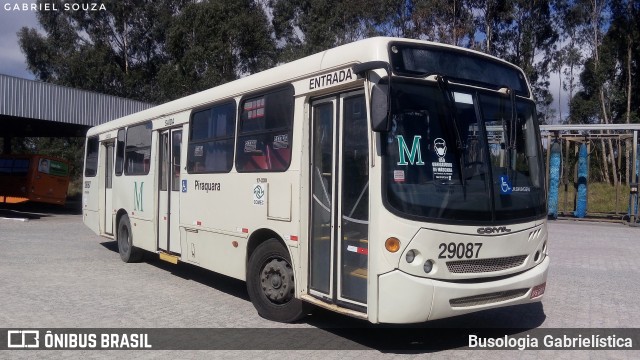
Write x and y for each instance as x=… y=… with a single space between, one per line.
x=392 y=180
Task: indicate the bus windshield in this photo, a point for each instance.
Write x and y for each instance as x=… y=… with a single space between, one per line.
x=471 y=159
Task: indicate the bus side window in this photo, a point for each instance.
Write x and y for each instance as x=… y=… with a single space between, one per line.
x=138 y=149
x=264 y=134
x=91 y=160
x=120 y=153
x=211 y=138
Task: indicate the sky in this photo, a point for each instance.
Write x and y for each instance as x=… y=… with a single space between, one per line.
x=12 y=61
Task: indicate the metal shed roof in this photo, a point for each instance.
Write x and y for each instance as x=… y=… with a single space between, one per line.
x=39 y=100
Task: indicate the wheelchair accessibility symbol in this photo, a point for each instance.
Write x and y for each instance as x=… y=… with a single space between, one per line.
x=505 y=185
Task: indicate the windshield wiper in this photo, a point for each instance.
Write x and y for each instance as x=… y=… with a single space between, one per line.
x=511 y=144
x=485 y=136
x=443 y=85
x=512 y=133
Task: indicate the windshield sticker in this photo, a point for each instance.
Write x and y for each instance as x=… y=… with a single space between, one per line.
x=442 y=170
x=198 y=150
x=440 y=147
x=398 y=175
x=250 y=146
x=281 y=141
x=521 y=189
x=505 y=185
x=412 y=154
x=463 y=98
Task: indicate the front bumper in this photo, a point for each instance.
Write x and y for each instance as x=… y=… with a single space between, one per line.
x=404 y=298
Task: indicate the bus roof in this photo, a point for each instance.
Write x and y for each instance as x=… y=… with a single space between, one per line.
x=370 y=49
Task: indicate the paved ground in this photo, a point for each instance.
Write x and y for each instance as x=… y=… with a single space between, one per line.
x=55 y=273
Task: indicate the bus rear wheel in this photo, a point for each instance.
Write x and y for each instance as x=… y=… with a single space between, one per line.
x=128 y=252
x=271 y=284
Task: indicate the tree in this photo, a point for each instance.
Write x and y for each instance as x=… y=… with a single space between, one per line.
x=138 y=48
x=621 y=41
x=211 y=43
x=117 y=51
x=449 y=22
x=526 y=37
x=490 y=14
x=305 y=27
x=152 y=51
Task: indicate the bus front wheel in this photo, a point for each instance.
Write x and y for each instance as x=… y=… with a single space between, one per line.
x=271 y=285
x=128 y=252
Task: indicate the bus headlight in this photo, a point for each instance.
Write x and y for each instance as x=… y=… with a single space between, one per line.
x=411 y=255
x=428 y=266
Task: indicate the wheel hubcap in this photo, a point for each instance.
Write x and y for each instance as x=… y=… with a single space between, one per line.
x=276 y=278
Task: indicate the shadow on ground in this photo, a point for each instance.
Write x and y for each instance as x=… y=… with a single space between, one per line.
x=33 y=211
x=186 y=271
x=338 y=332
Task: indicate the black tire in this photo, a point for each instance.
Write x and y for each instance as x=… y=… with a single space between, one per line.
x=128 y=252
x=271 y=284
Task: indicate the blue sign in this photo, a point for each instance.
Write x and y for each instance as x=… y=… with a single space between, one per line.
x=184 y=185
x=505 y=185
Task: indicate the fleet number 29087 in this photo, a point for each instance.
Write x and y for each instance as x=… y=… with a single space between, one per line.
x=459 y=250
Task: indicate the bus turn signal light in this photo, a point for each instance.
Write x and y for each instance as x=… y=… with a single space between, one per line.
x=392 y=244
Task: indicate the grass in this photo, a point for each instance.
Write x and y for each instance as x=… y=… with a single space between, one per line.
x=601 y=198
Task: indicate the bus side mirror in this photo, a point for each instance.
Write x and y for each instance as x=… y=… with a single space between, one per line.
x=380 y=108
x=380 y=99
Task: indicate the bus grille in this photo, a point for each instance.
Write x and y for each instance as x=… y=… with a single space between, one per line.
x=487 y=298
x=485 y=265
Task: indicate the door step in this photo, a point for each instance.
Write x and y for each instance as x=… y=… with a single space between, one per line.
x=333 y=307
x=168 y=257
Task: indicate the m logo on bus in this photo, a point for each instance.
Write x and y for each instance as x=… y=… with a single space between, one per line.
x=137 y=196
x=404 y=150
